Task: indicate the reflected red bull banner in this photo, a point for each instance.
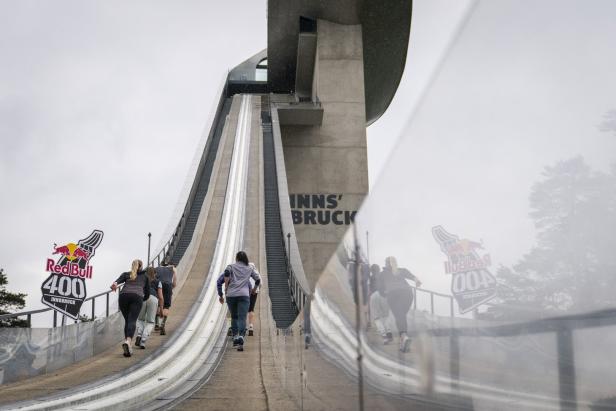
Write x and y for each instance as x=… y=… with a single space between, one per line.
x=467 y=265
x=65 y=288
x=471 y=283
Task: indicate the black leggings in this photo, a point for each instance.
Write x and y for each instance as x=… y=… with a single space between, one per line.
x=400 y=301
x=130 y=305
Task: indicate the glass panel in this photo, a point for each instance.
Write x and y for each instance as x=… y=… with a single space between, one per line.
x=499 y=203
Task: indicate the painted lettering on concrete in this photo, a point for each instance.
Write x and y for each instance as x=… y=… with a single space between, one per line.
x=319 y=209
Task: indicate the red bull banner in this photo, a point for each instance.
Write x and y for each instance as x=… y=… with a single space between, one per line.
x=64 y=289
x=472 y=284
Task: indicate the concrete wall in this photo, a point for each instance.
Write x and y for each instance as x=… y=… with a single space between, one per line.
x=329 y=162
x=28 y=352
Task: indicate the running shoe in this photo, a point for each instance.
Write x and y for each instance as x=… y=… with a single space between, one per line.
x=236 y=341
x=387 y=338
x=127 y=350
x=405 y=344
x=240 y=343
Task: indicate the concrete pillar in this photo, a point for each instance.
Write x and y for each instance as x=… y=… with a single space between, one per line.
x=327 y=167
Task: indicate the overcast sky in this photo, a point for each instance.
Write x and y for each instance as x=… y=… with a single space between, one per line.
x=103 y=105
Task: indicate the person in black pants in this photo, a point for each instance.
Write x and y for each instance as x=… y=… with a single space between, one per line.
x=167 y=275
x=399 y=296
x=135 y=291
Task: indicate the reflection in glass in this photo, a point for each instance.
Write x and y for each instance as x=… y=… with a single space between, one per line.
x=488 y=240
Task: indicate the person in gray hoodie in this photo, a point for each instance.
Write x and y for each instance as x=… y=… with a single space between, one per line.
x=238 y=289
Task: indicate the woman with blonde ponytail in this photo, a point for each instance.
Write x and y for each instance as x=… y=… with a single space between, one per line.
x=135 y=291
x=399 y=296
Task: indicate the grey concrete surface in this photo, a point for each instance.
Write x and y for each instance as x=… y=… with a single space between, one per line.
x=28 y=352
x=330 y=158
x=385 y=37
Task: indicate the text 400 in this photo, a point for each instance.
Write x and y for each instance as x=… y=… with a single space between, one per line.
x=472 y=281
x=65 y=286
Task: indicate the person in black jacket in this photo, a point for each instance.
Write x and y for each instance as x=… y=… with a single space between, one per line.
x=399 y=296
x=135 y=291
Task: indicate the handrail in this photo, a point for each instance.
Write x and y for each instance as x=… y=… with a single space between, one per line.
x=563 y=328
x=13 y=315
x=594 y=319
x=432 y=294
x=29 y=314
x=299 y=294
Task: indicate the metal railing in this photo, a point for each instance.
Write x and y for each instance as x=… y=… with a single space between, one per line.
x=29 y=314
x=299 y=294
x=169 y=247
x=433 y=294
x=563 y=328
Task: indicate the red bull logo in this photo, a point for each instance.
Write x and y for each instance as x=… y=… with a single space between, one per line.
x=64 y=289
x=68 y=269
x=462 y=247
x=471 y=283
x=464 y=265
x=76 y=264
x=71 y=251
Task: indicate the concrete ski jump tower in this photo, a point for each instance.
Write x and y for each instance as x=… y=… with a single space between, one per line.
x=333 y=68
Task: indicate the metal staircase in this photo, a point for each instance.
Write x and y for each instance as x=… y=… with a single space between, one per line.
x=284 y=309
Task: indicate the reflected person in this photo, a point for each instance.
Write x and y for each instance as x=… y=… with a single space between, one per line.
x=399 y=296
x=379 y=308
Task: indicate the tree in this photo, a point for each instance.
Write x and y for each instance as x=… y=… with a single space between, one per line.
x=10 y=301
x=572 y=268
